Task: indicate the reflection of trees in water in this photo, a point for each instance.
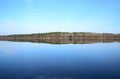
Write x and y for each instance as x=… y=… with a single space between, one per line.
x=67 y=41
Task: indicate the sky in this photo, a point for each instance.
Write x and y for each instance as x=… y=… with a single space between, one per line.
x=40 y=16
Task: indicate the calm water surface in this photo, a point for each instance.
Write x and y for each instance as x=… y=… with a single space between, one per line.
x=23 y=60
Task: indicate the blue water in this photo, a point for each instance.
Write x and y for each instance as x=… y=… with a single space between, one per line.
x=24 y=60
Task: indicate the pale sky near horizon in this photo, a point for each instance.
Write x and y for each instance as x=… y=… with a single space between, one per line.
x=38 y=16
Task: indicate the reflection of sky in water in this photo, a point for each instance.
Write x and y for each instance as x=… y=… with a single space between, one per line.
x=6 y=50
x=69 y=61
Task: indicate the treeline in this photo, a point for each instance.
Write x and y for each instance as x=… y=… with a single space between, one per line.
x=64 y=37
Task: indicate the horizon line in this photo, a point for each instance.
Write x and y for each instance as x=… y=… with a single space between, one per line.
x=59 y=32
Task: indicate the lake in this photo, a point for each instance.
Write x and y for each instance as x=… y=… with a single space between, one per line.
x=26 y=60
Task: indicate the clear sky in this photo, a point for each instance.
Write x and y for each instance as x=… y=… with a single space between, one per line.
x=34 y=16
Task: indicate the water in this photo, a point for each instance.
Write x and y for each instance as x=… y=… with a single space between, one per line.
x=24 y=60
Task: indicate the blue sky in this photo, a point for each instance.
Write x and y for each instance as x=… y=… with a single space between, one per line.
x=34 y=16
